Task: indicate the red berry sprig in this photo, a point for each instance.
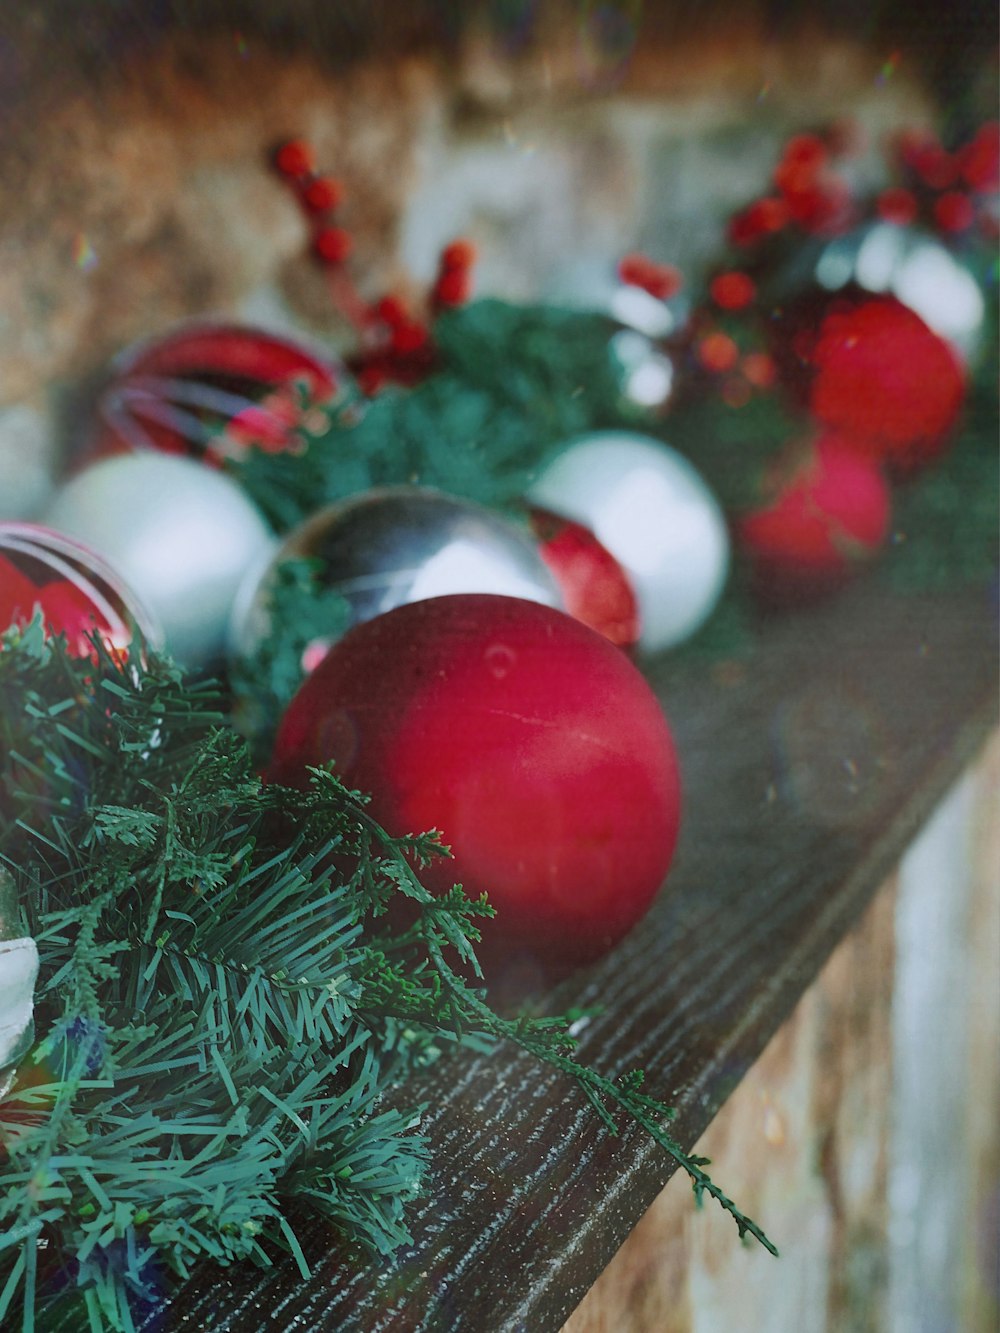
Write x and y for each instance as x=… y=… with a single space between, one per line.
x=660 y=280
x=396 y=346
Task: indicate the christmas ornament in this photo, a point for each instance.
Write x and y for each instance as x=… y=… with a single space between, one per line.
x=653 y=512
x=825 y=514
x=18 y=970
x=214 y=391
x=915 y=267
x=531 y=742
x=400 y=544
x=594 y=587
x=885 y=381
x=75 y=590
x=182 y=535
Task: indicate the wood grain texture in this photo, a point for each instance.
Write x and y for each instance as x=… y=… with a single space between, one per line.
x=809 y=767
x=828 y=1133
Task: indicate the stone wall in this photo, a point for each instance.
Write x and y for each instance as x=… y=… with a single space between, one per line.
x=135 y=188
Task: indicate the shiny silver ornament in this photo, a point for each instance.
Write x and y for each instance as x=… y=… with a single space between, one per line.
x=917 y=269
x=181 y=534
x=400 y=544
x=648 y=506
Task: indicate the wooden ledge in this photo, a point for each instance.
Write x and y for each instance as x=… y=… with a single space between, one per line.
x=809 y=766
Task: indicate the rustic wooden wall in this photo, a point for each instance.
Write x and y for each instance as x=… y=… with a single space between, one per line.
x=866 y=1137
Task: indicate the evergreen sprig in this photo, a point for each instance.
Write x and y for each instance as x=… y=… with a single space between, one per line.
x=225 y=995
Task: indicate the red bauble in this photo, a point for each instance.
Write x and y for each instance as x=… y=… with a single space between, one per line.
x=530 y=741
x=886 y=382
x=75 y=591
x=594 y=587
x=826 y=513
x=213 y=390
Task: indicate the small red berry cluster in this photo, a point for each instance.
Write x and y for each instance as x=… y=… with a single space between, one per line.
x=951 y=192
x=947 y=191
x=396 y=346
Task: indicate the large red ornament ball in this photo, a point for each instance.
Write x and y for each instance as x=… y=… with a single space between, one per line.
x=826 y=512
x=532 y=743
x=207 y=390
x=886 y=382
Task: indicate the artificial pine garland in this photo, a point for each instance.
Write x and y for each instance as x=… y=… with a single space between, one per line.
x=224 y=998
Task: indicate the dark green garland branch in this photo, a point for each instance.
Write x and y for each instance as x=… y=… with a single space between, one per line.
x=549 y=1041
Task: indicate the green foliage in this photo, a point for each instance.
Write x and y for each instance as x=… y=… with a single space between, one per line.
x=224 y=995
x=513 y=384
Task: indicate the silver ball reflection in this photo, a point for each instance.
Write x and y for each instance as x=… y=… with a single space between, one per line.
x=396 y=545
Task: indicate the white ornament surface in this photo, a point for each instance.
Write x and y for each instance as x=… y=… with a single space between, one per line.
x=655 y=514
x=18 y=971
x=181 y=534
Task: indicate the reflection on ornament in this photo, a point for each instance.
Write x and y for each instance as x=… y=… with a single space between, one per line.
x=916 y=268
x=594 y=587
x=214 y=391
x=75 y=590
x=182 y=535
x=651 y=509
x=646 y=372
x=825 y=514
x=533 y=745
x=401 y=544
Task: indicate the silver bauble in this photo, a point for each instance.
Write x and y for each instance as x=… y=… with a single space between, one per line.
x=181 y=534
x=401 y=544
x=653 y=511
x=918 y=269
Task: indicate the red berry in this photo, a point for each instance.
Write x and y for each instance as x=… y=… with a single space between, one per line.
x=294 y=159
x=409 y=337
x=531 y=742
x=759 y=369
x=459 y=254
x=979 y=161
x=322 y=194
x=732 y=291
x=717 y=352
x=954 y=211
x=897 y=205
x=332 y=245
x=391 y=311
x=762 y=218
x=663 y=281
x=453 y=287
x=886 y=381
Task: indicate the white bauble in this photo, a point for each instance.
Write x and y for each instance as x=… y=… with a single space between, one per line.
x=179 y=533
x=653 y=511
x=18 y=970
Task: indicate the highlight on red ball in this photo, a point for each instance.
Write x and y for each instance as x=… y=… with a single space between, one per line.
x=530 y=741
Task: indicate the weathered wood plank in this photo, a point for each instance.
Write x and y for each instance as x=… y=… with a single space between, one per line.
x=867 y=1130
